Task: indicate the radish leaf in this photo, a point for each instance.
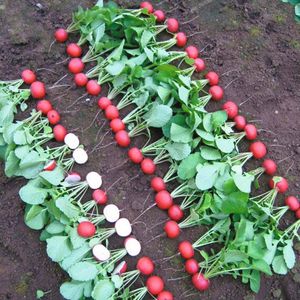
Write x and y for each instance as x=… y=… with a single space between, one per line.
x=83 y=271
x=58 y=247
x=103 y=290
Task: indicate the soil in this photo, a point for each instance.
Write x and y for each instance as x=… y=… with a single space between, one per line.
x=255 y=45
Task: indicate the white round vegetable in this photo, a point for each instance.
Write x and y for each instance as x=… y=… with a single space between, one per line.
x=101 y=253
x=133 y=246
x=80 y=156
x=73 y=178
x=123 y=227
x=94 y=180
x=71 y=140
x=120 y=268
x=111 y=213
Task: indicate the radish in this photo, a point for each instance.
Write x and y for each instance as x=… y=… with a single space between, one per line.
x=116 y=125
x=122 y=138
x=200 y=282
x=80 y=79
x=181 y=39
x=50 y=166
x=191 y=266
x=251 y=132
x=155 y=285
x=240 y=122
x=158 y=184
x=38 y=90
x=231 y=109
x=53 y=117
x=148 y=166
x=175 y=213
x=172 y=25
x=120 y=269
x=80 y=156
x=292 y=202
x=148 y=6
x=103 y=103
x=111 y=112
x=28 y=76
x=94 y=180
x=281 y=184
x=192 y=52
x=297 y=214
x=93 y=88
x=165 y=295
x=101 y=253
x=186 y=250
x=270 y=167
x=258 y=149
x=159 y=15
x=86 y=229
x=74 y=50
x=61 y=35
x=145 y=265
x=99 y=196
x=163 y=200
x=73 y=178
x=135 y=155
x=111 y=213
x=199 y=65
x=132 y=246
x=172 y=229
x=59 y=132
x=72 y=141
x=212 y=77
x=76 y=65
x=44 y=106
x=123 y=227
x=216 y=92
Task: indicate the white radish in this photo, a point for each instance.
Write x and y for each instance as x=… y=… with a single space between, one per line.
x=80 y=156
x=94 y=180
x=50 y=166
x=120 y=268
x=101 y=253
x=73 y=178
x=111 y=213
x=133 y=246
x=123 y=227
x=72 y=141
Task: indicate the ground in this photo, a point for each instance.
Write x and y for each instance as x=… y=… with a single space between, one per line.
x=255 y=45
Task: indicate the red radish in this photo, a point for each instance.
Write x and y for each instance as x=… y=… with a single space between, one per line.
x=191 y=266
x=123 y=227
x=200 y=282
x=192 y=52
x=122 y=138
x=59 y=132
x=160 y=15
x=212 y=77
x=298 y=214
x=231 y=109
x=72 y=141
x=132 y=246
x=172 y=25
x=155 y=285
x=103 y=103
x=292 y=202
x=74 y=50
x=158 y=184
x=117 y=125
x=216 y=92
x=186 y=250
x=282 y=185
x=61 y=35
x=135 y=155
x=73 y=178
x=28 y=76
x=86 y=229
x=240 y=122
x=111 y=213
x=44 y=106
x=270 y=167
x=175 y=213
x=145 y=265
x=172 y=229
x=148 y=166
x=111 y=112
x=80 y=79
x=53 y=117
x=165 y=295
x=120 y=269
x=181 y=39
x=93 y=88
x=80 y=156
x=258 y=149
x=147 y=5
x=163 y=200
x=99 y=196
x=76 y=65
x=94 y=180
x=101 y=253
x=50 y=166
x=251 y=132
x=199 y=65
x=38 y=90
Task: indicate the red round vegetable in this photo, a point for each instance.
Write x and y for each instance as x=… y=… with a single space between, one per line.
x=148 y=166
x=292 y=202
x=28 y=76
x=74 y=50
x=186 y=250
x=38 y=90
x=53 y=117
x=59 y=132
x=61 y=35
x=163 y=200
x=44 y=106
x=175 y=213
x=192 y=52
x=86 y=229
x=93 y=88
x=181 y=39
x=281 y=186
x=199 y=65
x=81 y=79
x=165 y=295
x=212 y=77
x=258 y=149
x=145 y=265
x=122 y=138
x=135 y=155
x=251 y=132
x=240 y=122
x=99 y=196
x=160 y=15
x=172 y=229
x=103 y=103
x=216 y=92
x=231 y=109
x=158 y=184
x=172 y=25
x=76 y=65
x=200 y=282
x=147 y=5
x=270 y=167
x=155 y=285
x=111 y=112
x=191 y=266
x=116 y=125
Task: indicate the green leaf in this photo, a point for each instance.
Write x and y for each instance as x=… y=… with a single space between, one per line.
x=205 y=135
x=117 y=280
x=33 y=195
x=207 y=122
x=83 y=271
x=183 y=94
x=72 y=290
x=163 y=93
x=210 y=153
x=54 y=177
x=146 y=38
x=115 y=68
x=39 y=294
x=69 y=209
x=262 y=266
x=289 y=255
x=225 y=145
x=76 y=240
x=180 y=134
x=218 y=118
x=235 y=203
x=187 y=168
x=35 y=217
x=255 y=281
x=142 y=99
x=11 y=164
x=22 y=151
x=243 y=182
x=206 y=177
x=279 y=265
x=58 y=247
x=159 y=116
x=20 y=137
x=55 y=227
x=178 y=151
x=103 y=290
x=234 y=256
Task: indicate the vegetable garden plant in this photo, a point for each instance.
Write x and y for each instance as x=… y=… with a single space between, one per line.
x=167 y=91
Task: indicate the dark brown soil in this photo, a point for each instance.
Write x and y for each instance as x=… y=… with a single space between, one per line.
x=255 y=45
